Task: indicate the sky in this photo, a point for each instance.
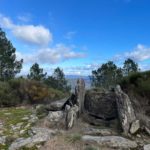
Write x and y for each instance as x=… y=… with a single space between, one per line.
x=77 y=35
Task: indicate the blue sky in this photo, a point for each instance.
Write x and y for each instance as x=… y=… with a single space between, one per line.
x=77 y=35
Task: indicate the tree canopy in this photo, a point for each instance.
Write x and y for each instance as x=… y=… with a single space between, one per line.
x=58 y=80
x=108 y=74
x=36 y=73
x=9 y=66
x=130 y=67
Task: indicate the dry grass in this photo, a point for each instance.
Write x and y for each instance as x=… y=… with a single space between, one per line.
x=60 y=143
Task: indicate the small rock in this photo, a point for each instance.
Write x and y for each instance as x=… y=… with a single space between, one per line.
x=25 y=118
x=33 y=118
x=135 y=126
x=55 y=116
x=1 y=132
x=20 y=124
x=22 y=131
x=14 y=128
x=1 y=125
x=28 y=126
x=7 y=114
x=2 y=139
x=138 y=135
x=147 y=147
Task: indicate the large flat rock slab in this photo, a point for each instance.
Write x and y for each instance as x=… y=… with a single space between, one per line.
x=39 y=135
x=111 y=141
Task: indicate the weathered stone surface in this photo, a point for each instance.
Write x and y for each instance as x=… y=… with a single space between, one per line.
x=33 y=118
x=1 y=125
x=71 y=116
x=135 y=126
x=147 y=147
x=55 y=116
x=80 y=93
x=41 y=131
x=95 y=131
x=56 y=105
x=101 y=104
x=125 y=110
x=41 y=135
x=111 y=141
x=2 y=139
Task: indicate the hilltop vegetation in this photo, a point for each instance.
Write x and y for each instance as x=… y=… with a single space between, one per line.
x=137 y=86
x=37 y=87
x=109 y=74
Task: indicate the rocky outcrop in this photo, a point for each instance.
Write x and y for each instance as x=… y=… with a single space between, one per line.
x=80 y=93
x=135 y=126
x=101 y=104
x=55 y=116
x=40 y=135
x=74 y=105
x=147 y=147
x=71 y=116
x=55 y=119
x=125 y=110
x=56 y=105
x=111 y=142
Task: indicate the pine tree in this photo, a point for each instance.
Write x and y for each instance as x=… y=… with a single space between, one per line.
x=9 y=66
x=130 y=67
x=36 y=73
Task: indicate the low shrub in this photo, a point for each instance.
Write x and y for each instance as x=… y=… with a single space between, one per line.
x=8 y=96
x=139 y=83
x=23 y=91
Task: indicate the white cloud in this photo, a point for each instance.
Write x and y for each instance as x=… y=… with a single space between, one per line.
x=70 y=35
x=30 y=34
x=139 y=53
x=33 y=34
x=6 y=22
x=52 y=55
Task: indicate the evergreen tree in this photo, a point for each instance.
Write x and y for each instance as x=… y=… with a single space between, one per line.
x=9 y=66
x=107 y=75
x=36 y=73
x=58 y=81
x=130 y=67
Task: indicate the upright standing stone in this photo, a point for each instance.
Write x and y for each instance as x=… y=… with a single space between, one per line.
x=125 y=110
x=71 y=116
x=80 y=92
